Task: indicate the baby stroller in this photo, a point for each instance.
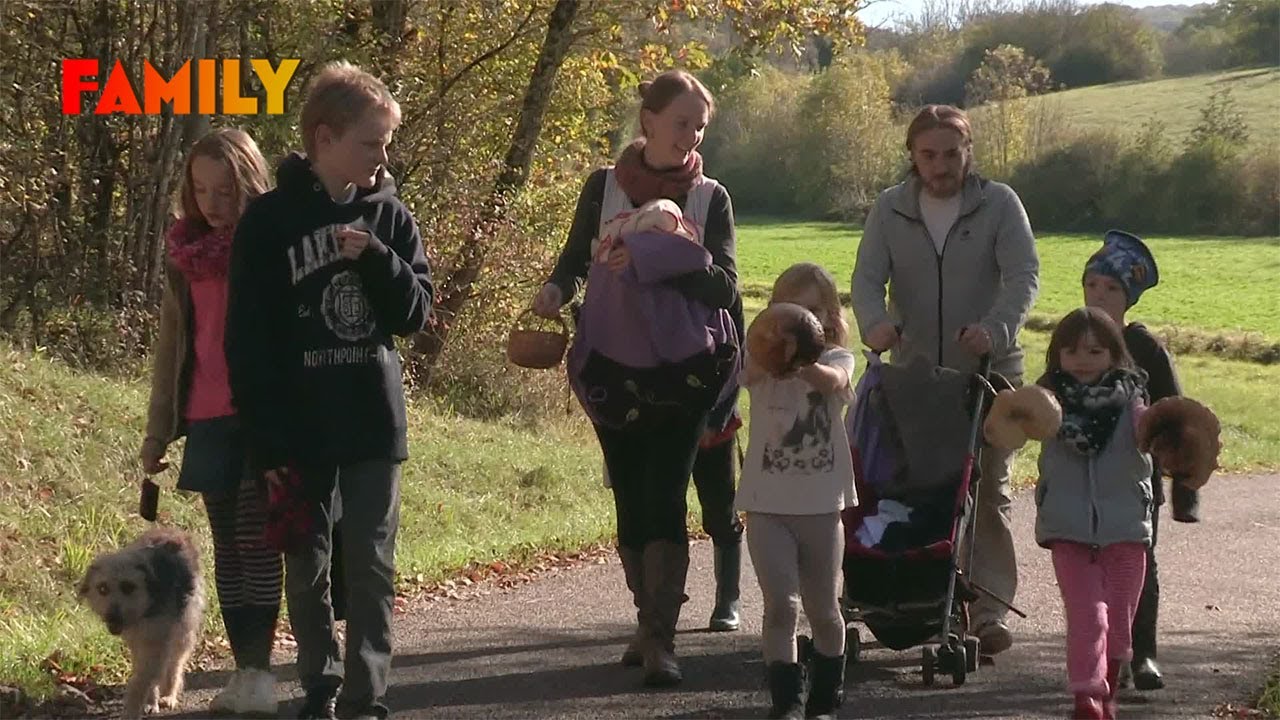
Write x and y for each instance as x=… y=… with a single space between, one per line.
x=916 y=438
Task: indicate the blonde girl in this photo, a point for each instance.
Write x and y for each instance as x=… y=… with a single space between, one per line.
x=797 y=478
x=191 y=397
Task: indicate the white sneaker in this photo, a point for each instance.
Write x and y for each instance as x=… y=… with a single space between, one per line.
x=257 y=694
x=228 y=699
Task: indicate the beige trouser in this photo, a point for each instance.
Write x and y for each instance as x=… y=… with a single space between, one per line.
x=995 y=566
x=798 y=560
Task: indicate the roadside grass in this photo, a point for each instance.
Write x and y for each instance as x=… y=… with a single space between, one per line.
x=474 y=492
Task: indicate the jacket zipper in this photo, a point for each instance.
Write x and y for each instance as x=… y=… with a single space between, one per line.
x=938 y=257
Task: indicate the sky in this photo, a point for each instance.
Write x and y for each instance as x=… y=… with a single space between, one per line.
x=881 y=12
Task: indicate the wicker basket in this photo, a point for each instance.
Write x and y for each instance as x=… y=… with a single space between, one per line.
x=537 y=349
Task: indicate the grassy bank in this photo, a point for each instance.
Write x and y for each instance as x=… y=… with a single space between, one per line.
x=473 y=492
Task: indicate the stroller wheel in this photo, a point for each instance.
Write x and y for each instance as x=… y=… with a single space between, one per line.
x=971 y=653
x=852 y=644
x=928 y=662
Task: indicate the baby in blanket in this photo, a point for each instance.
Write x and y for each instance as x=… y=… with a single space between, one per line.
x=656 y=216
x=641 y=343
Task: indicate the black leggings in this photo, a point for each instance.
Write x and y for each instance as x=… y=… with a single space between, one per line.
x=713 y=474
x=649 y=472
x=1144 y=619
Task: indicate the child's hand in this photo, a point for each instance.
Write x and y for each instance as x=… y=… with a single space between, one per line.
x=619 y=257
x=823 y=378
x=275 y=477
x=152 y=455
x=353 y=243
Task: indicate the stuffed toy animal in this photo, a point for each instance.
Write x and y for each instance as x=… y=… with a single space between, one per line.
x=784 y=337
x=1183 y=438
x=1030 y=412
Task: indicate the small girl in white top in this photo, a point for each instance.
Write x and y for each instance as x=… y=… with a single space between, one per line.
x=797 y=477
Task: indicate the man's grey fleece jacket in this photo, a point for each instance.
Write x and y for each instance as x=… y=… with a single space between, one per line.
x=988 y=273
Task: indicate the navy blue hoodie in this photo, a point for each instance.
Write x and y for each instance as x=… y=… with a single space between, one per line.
x=314 y=372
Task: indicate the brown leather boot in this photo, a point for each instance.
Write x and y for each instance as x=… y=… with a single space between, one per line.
x=633 y=568
x=665 y=566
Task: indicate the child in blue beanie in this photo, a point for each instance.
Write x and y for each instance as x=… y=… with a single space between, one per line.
x=1114 y=279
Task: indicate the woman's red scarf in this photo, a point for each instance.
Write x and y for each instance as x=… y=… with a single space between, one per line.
x=642 y=183
x=200 y=255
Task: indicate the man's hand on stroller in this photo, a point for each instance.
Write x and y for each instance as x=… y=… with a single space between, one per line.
x=975 y=338
x=882 y=337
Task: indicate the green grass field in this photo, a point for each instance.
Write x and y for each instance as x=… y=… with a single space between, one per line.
x=1175 y=101
x=1209 y=284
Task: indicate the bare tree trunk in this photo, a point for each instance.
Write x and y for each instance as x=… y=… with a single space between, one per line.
x=458 y=288
x=173 y=140
x=390 y=16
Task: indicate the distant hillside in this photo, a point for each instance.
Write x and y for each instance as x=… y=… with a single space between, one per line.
x=1176 y=102
x=1167 y=17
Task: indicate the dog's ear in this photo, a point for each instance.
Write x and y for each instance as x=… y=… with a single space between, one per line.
x=168 y=576
x=83 y=588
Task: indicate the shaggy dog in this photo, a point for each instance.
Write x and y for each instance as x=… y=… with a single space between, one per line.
x=151 y=594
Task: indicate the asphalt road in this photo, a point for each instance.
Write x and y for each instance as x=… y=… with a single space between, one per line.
x=549 y=648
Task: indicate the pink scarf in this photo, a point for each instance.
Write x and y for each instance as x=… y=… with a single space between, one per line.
x=642 y=183
x=199 y=255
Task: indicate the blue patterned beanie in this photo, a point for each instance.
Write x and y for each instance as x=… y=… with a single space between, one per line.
x=1127 y=259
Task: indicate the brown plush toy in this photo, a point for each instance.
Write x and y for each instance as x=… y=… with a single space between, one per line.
x=1016 y=415
x=1183 y=437
x=783 y=337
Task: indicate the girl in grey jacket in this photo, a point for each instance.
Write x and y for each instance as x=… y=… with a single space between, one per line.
x=1093 y=501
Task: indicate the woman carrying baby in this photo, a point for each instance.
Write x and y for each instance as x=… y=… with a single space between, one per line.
x=656 y=339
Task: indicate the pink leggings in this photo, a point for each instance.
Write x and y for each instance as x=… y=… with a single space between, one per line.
x=1100 y=590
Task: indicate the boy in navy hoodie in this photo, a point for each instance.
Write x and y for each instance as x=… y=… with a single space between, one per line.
x=325 y=270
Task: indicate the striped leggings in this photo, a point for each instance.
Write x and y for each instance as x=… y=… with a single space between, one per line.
x=1100 y=590
x=248 y=574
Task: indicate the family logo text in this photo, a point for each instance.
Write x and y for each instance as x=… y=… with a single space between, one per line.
x=119 y=94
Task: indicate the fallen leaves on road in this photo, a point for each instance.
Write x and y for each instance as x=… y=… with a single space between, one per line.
x=479 y=579
x=1231 y=710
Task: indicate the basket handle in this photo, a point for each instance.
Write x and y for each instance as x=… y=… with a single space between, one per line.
x=529 y=311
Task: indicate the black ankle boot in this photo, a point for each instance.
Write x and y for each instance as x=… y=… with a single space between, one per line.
x=320 y=704
x=1146 y=674
x=728 y=568
x=786 y=690
x=826 y=689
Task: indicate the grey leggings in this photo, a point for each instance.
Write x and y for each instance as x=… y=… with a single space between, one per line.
x=797 y=559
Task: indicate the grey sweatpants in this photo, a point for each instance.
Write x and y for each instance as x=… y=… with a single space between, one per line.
x=797 y=560
x=366 y=496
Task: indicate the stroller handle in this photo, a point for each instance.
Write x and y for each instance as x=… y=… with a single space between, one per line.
x=984 y=365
